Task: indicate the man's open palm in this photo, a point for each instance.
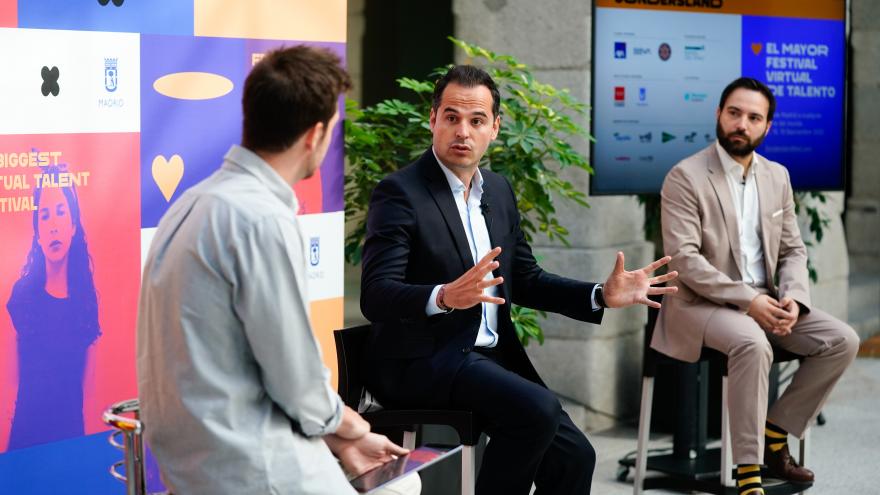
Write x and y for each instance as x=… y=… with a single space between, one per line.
x=625 y=288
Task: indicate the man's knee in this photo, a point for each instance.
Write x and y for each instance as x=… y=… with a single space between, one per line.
x=755 y=349
x=851 y=341
x=585 y=454
x=544 y=412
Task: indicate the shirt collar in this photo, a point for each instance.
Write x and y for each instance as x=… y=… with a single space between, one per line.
x=457 y=185
x=731 y=166
x=240 y=159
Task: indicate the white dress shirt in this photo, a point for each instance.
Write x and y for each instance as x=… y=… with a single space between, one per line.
x=478 y=241
x=744 y=191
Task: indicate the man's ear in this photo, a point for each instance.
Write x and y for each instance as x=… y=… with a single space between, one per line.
x=432 y=119
x=717 y=113
x=313 y=136
x=496 y=126
x=769 y=123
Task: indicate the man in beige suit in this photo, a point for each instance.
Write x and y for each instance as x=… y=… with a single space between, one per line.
x=729 y=224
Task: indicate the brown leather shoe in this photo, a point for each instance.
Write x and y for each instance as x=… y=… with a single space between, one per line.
x=781 y=465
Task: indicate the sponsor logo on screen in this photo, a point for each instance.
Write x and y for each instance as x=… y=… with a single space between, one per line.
x=645 y=138
x=619 y=96
x=619 y=49
x=641 y=50
x=664 y=51
x=117 y=3
x=646 y=158
x=623 y=158
x=622 y=137
x=690 y=138
x=666 y=137
x=695 y=97
x=694 y=52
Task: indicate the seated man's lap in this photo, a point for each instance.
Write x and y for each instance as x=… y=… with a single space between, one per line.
x=814 y=333
x=729 y=330
x=502 y=397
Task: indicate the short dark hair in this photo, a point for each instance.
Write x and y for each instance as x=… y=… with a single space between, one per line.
x=753 y=85
x=287 y=92
x=467 y=76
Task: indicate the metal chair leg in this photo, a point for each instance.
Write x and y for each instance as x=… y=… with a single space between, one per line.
x=644 y=434
x=468 y=470
x=726 y=455
x=804 y=454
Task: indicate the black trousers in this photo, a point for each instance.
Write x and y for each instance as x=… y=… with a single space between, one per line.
x=531 y=439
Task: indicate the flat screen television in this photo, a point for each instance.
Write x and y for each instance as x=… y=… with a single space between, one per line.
x=659 y=67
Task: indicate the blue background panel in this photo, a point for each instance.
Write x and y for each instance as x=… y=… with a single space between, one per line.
x=137 y=16
x=79 y=466
x=807 y=133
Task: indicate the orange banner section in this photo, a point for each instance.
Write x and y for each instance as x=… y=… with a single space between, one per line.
x=8 y=17
x=804 y=9
x=301 y=20
x=326 y=317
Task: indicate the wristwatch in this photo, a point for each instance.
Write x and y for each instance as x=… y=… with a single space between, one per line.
x=600 y=297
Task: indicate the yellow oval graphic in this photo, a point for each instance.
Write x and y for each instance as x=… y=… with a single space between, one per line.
x=193 y=85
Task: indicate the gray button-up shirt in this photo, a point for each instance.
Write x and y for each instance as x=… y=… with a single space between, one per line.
x=233 y=391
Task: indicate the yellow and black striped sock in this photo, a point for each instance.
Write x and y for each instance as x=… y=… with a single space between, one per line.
x=748 y=479
x=774 y=437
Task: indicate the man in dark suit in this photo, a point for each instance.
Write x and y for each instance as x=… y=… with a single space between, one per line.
x=438 y=295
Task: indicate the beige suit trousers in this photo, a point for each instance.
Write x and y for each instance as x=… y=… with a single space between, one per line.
x=827 y=344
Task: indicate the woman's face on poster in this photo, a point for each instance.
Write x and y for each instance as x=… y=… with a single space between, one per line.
x=55 y=225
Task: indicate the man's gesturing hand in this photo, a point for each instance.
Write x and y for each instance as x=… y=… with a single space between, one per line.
x=625 y=288
x=467 y=290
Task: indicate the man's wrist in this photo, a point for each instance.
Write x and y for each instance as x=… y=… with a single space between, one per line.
x=440 y=302
x=599 y=296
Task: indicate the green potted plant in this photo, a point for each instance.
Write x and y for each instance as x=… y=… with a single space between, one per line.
x=539 y=124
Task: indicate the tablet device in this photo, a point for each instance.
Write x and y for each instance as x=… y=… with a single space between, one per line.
x=416 y=460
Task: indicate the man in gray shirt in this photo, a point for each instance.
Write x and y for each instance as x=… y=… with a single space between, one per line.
x=234 y=395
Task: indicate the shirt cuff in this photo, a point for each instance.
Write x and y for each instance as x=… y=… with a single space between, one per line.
x=593 y=302
x=431 y=308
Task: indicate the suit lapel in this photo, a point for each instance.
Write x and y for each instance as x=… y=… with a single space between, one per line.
x=488 y=214
x=439 y=189
x=722 y=191
x=764 y=184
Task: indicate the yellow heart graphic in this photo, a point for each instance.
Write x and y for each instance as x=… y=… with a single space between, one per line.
x=757 y=47
x=167 y=174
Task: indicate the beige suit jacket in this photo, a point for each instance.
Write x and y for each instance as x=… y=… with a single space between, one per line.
x=701 y=233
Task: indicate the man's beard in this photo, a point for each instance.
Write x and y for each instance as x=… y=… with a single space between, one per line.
x=737 y=149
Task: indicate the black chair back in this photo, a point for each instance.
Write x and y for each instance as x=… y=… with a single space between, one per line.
x=350 y=345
